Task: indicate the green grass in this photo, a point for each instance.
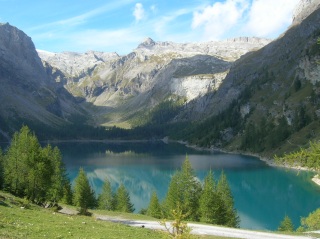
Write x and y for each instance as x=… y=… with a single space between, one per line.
x=36 y=222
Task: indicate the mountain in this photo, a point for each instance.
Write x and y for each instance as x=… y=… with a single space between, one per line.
x=123 y=89
x=270 y=99
x=28 y=95
x=247 y=94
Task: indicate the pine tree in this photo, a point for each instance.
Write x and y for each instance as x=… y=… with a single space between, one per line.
x=286 y=225
x=185 y=190
x=105 y=199
x=32 y=171
x=211 y=206
x=122 y=200
x=311 y=222
x=83 y=194
x=67 y=193
x=154 y=208
x=223 y=190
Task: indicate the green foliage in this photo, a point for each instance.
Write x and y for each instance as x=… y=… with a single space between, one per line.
x=83 y=193
x=312 y=222
x=1 y=170
x=32 y=171
x=122 y=200
x=185 y=190
x=304 y=157
x=106 y=198
x=67 y=193
x=212 y=209
x=36 y=222
x=230 y=214
x=154 y=208
x=264 y=135
x=286 y=225
x=178 y=229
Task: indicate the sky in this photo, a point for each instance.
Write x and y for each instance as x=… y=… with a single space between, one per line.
x=121 y=25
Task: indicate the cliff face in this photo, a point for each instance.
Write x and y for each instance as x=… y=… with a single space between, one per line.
x=304 y=9
x=27 y=93
x=126 y=86
x=276 y=86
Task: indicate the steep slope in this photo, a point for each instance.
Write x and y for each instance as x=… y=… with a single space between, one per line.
x=126 y=88
x=27 y=93
x=270 y=99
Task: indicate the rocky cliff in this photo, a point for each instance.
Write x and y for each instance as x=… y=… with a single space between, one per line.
x=27 y=92
x=273 y=92
x=126 y=86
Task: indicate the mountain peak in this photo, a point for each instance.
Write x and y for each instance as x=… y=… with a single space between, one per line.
x=303 y=9
x=147 y=43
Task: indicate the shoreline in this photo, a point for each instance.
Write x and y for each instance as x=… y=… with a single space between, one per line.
x=268 y=161
x=166 y=140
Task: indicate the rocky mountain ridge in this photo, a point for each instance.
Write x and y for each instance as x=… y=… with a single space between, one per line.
x=28 y=94
x=304 y=9
x=122 y=86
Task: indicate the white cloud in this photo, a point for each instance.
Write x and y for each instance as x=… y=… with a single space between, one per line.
x=268 y=17
x=232 y=18
x=219 y=18
x=138 y=12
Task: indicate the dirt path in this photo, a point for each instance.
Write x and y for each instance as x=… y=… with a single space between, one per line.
x=204 y=229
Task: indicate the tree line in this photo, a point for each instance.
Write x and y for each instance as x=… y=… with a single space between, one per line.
x=211 y=202
x=38 y=174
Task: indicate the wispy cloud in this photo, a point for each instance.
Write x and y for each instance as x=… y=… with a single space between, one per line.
x=139 y=12
x=262 y=18
x=83 y=18
x=219 y=18
x=268 y=17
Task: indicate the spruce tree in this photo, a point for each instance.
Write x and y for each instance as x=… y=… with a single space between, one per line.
x=185 y=190
x=83 y=194
x=105 y=199
x=154 y=208
x=67 y=193
x=286 y=225
x=32 y=171
x=122 y=200
x=224 y=191
x=211 y=207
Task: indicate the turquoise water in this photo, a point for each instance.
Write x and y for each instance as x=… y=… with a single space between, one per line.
x=263 y=195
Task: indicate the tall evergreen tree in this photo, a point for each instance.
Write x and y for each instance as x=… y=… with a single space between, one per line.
x=67 y=193
x=211 y=207
x=154 y=208
x=83 y=194
x=122 y=200
x=286 y=225
x=32 y=171
x=105 y=199
x=224 y=191
x=185 y=190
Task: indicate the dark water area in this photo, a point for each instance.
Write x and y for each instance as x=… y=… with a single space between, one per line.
x=263 y=195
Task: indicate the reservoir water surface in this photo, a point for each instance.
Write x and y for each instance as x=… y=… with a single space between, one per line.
x=263 y=195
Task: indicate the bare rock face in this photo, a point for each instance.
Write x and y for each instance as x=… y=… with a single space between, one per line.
x=27 y=92
x=304 y=9
x=76 y=64
x=153 y=72
x=17 y=53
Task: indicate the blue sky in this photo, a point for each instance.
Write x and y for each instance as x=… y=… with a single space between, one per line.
x=120 y=25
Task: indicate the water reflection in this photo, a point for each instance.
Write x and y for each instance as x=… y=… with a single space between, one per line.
x=263 y=195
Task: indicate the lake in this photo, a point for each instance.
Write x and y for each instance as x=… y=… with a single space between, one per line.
x=263 y=195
